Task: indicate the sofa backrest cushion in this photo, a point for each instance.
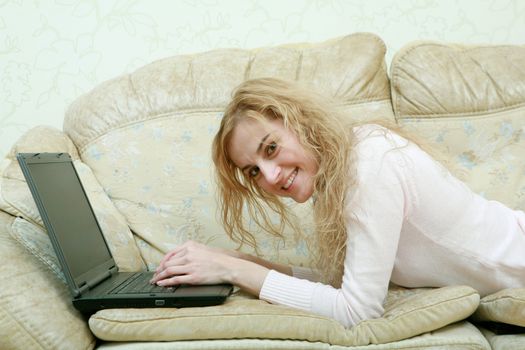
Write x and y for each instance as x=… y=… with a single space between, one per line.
x=469 y=103
x=147 y=135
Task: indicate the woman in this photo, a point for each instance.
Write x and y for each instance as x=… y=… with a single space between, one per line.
x=385 y=211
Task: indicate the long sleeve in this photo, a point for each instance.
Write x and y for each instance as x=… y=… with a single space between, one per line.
x=375 y=211
x=408 y=220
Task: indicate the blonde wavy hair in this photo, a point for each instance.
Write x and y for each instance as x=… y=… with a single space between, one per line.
x=322 y=132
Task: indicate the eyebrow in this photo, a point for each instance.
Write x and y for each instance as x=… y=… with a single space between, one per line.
x=258 y=150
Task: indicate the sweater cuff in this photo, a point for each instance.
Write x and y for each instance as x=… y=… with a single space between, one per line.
x=282 y=289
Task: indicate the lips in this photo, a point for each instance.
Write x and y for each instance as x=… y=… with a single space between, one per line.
x=291 y=179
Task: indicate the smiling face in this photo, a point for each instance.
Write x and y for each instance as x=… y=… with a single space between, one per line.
x=272 y=156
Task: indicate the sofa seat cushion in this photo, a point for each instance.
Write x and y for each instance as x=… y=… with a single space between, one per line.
x=505 y=306
x=504 y=341
x=457 y=336
x=407 y=314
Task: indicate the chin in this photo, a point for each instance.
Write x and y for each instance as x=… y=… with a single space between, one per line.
x=302 y=198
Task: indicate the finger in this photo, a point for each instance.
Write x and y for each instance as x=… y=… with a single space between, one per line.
x=172 y=262
x=168 y=272
x=168 y=256
x=176 y=280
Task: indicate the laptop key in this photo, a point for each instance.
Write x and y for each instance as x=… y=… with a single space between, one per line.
x=124 y=284
x=141 y=285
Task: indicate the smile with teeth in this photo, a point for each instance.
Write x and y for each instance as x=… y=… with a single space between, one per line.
x=290 y=179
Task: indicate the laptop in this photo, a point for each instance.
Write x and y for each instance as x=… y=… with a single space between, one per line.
x=88 y=266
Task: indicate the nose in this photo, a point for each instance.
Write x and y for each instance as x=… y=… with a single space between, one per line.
x=270 y=171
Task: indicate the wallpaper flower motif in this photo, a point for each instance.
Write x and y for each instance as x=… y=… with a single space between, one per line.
x=53 y=51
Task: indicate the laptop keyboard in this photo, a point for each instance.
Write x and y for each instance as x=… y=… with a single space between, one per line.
x=139 y=284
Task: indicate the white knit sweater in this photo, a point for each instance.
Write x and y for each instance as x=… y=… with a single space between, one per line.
x=411 y=222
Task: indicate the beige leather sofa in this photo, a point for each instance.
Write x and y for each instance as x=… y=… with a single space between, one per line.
x=141 y=143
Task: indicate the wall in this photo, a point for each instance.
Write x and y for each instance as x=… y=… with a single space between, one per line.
x=53 y=51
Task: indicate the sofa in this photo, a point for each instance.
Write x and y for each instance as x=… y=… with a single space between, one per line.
x=141 y=145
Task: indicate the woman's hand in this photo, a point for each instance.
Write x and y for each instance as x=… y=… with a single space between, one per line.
x=195 y=263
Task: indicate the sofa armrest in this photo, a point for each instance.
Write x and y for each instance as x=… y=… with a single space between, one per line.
x=35 y=307
x=16 y=199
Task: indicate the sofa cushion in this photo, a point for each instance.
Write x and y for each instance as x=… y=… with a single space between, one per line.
x=16 y=199
x=505 y=306
x=468 y=103
x=457 y=336
x=147 y=135
x=350 y=69
x=456 y=79
x=407 y=313
x=504 y=341
x=35 y=307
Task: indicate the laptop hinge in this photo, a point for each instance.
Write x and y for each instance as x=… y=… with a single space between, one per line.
x=82 y=288
x=94 y=282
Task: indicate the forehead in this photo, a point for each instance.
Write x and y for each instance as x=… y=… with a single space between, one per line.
x=247 y=136
x=250 y=127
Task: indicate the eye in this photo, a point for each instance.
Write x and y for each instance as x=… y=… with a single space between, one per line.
x=253 y=172
x=271 y=148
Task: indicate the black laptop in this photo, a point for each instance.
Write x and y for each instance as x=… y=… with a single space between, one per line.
x=87 y=263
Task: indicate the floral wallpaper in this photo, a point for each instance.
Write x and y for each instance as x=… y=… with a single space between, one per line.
x=53 y=51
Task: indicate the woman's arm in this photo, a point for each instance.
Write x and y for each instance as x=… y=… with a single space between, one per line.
x=195 y=263
x=287 y=270
x=375 y=215
x=295 y=271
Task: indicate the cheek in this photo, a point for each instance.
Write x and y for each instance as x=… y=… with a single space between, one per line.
x=312 y=165
x=262 y=183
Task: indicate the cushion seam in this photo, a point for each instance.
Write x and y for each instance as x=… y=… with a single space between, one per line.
x=16 y=210
x=503 y=297
x=21 y=325
x=166 y=115
x=480 y=113
x=107 y=319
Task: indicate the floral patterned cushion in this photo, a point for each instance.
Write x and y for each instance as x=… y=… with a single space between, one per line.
x=16 y=199
x=147 y=136
x=467 y=103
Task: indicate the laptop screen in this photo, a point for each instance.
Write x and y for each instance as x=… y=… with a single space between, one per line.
x=70 y=215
